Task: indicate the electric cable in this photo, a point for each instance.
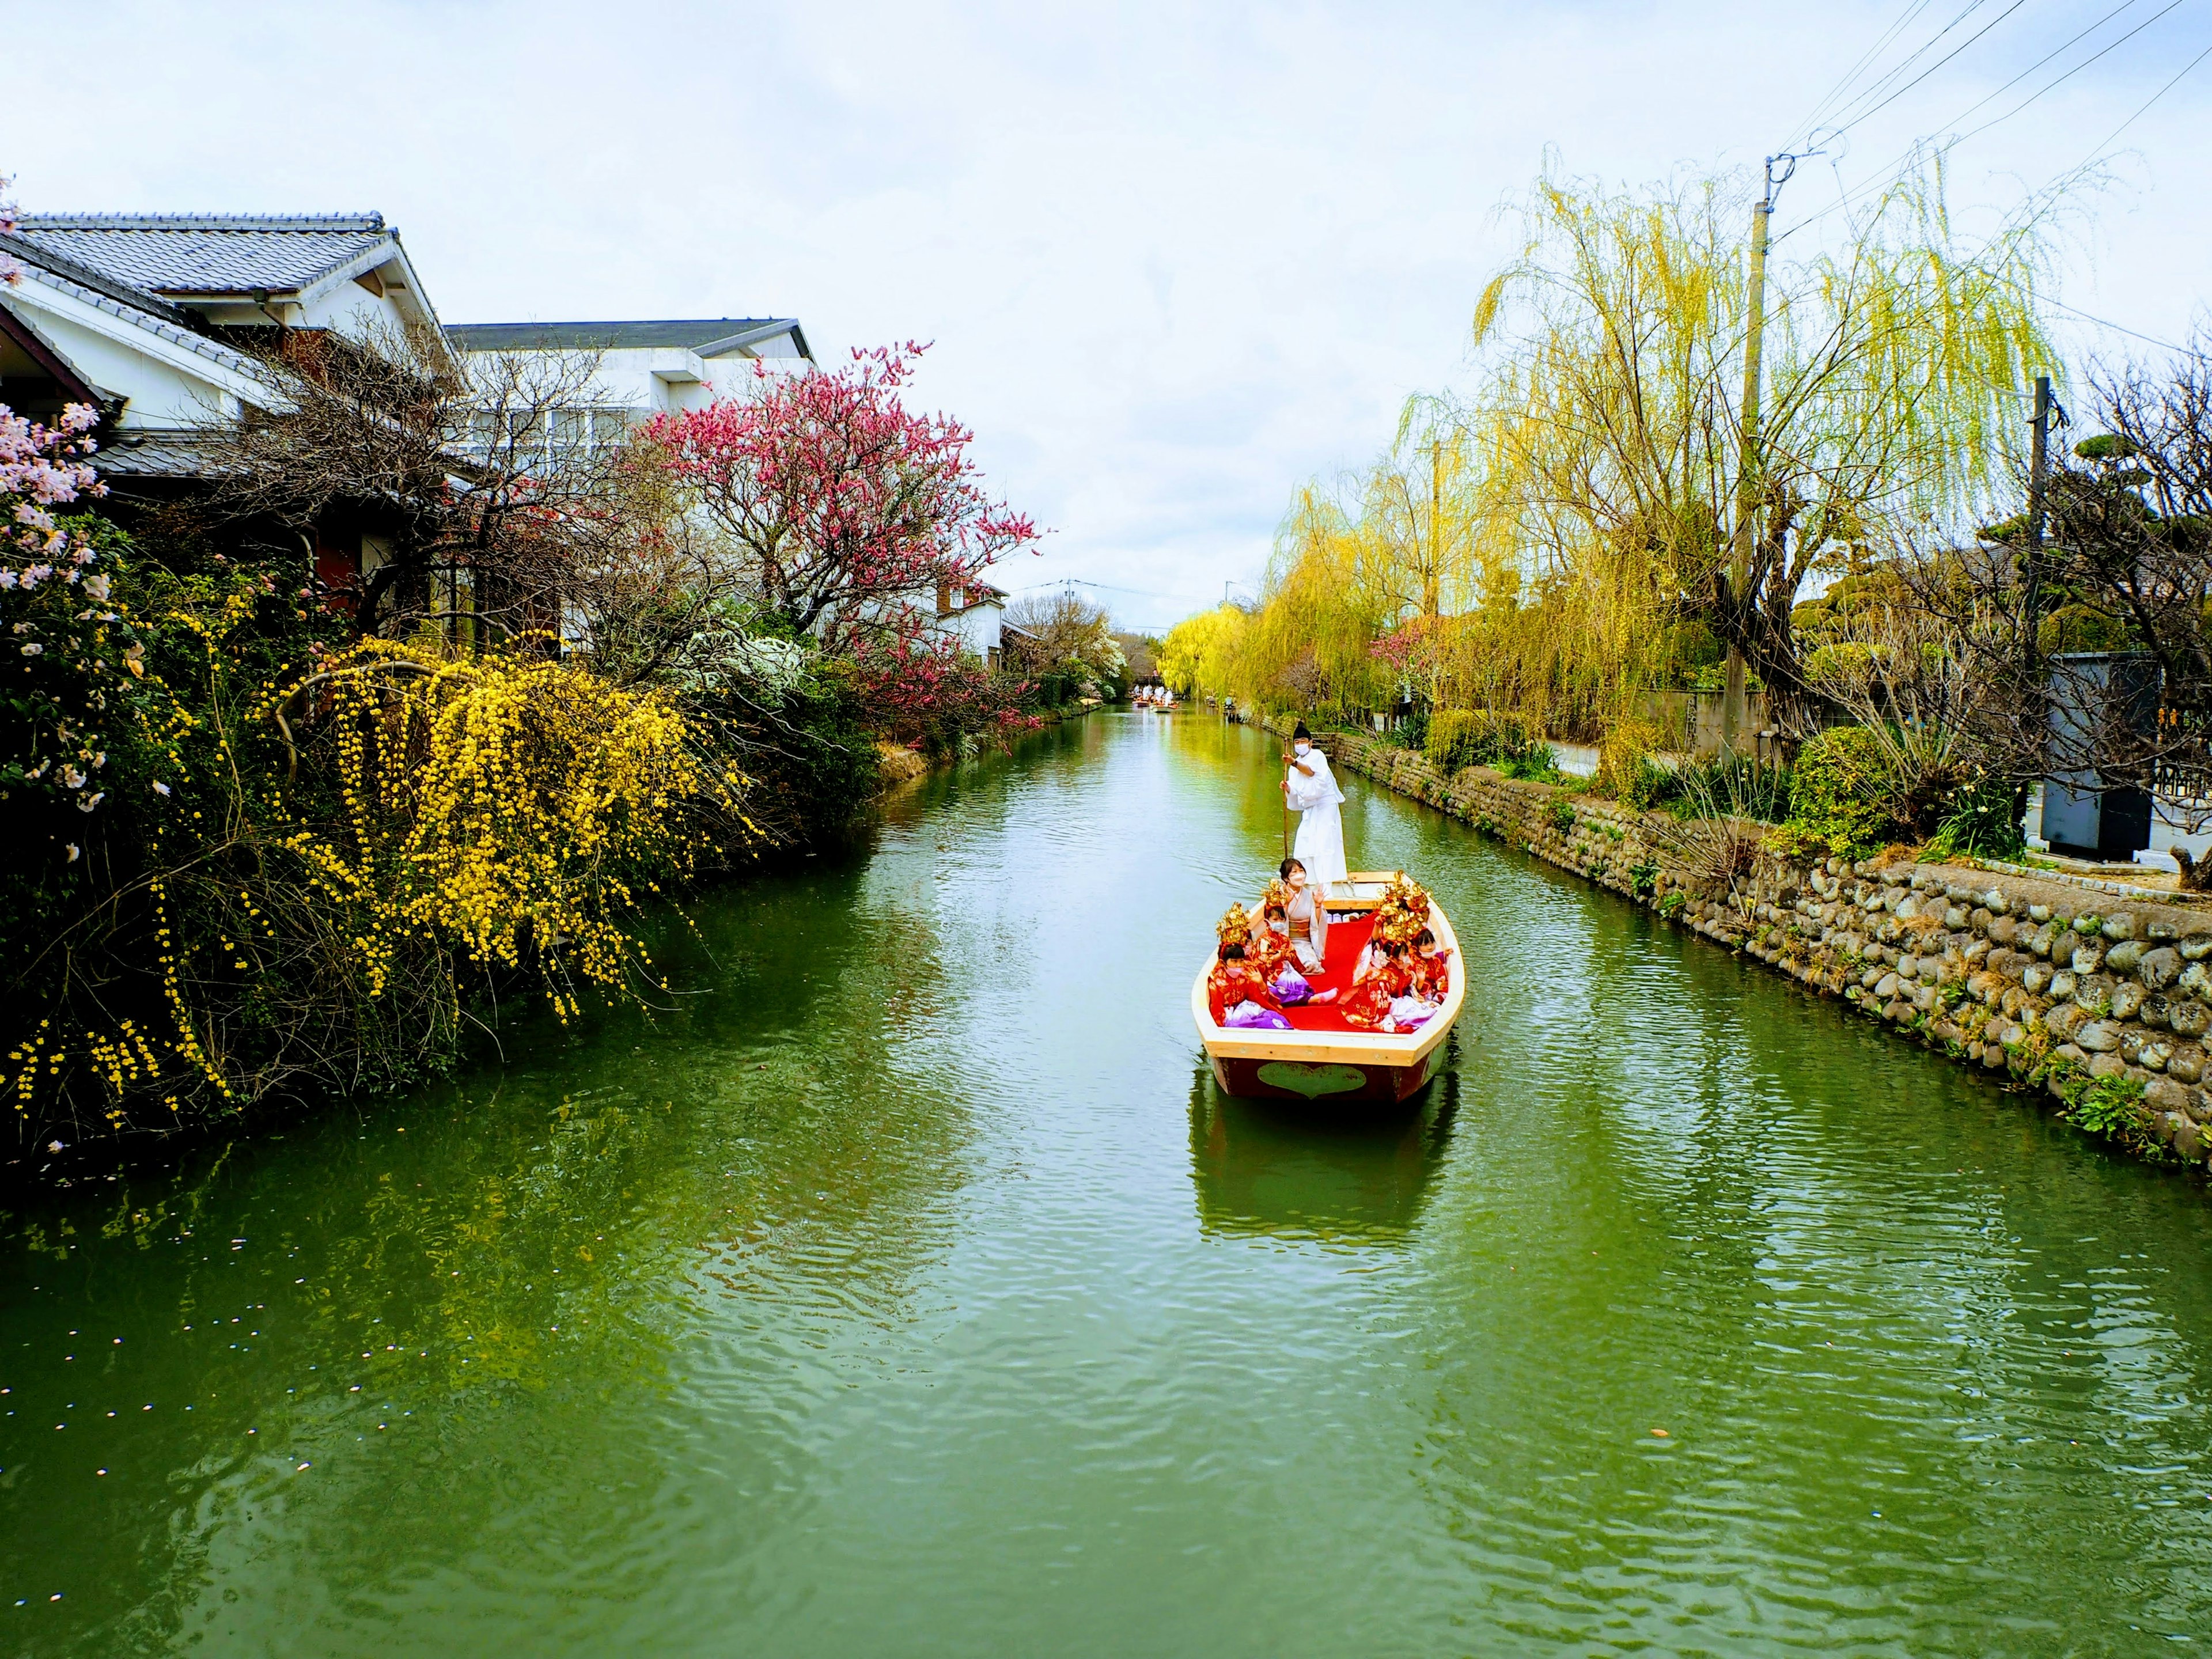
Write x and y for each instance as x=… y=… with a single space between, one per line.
x=2123 y=6
x=2117 y=328
x=1862 y=115
x=2146 y=103
x=1804 y=129
x=1885 y=177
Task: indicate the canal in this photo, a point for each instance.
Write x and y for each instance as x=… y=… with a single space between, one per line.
x=904 y=1287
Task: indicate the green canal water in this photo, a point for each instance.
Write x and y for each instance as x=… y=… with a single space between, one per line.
x=909 y=1290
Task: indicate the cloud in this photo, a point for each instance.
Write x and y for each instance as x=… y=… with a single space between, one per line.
x=1174 y=259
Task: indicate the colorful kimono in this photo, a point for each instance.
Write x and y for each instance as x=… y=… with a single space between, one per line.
x=1309 y=930
x=1243 y=1003
x=1368 y=1004
x=1272 y=950
x=1432 y=977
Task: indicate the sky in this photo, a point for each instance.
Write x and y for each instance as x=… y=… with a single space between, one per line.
x=1171 y=261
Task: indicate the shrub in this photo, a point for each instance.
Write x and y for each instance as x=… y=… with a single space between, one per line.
x=1649 y=784
x=1537 y=763
x=1484 y=737
x=2111 y=1106
x=1980 y=821
x=1839 y=797
x=1454 y=739
x=2079 y=628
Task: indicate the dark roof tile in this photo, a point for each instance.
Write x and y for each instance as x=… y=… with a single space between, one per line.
x=690 y=333
x=198 y=254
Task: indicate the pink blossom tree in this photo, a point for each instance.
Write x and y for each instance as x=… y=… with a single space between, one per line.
x=58 y=635
x=10 y=271
x=847 y=507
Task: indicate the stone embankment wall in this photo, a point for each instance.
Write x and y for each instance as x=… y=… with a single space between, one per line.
x=2065 y=987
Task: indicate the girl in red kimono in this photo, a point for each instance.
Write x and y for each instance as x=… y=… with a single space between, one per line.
x=1270 y=955
x=1431 y=969
x=1237 y=997
x=1367 y=1006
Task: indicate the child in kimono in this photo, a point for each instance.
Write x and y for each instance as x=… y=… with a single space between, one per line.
x=1270 y=951
x=1431 y=969
x=1238 y=999
x=1305 y=917
x=1370 y=1003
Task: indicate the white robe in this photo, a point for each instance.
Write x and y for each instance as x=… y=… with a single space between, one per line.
x=1320 y=845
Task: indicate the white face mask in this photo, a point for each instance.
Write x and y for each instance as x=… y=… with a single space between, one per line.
x=1304 y=747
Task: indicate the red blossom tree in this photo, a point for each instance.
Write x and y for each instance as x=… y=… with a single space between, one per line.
x=917 y=687
x=848 y=505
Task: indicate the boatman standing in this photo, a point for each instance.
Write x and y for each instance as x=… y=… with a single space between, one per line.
x=1309 y=788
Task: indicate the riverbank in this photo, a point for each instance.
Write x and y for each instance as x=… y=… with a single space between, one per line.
x=2096 y=996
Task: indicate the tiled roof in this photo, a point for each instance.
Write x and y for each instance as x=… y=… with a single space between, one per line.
x=191 y=254
x=690 y=333
x=120 y=300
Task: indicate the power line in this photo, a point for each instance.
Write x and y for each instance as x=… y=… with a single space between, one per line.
x=1932 y=67
x=2146 y=103
x=1804 y=128
x=2101 y=322
x=1883 y=178
x=2070 y=74
x=2123 y=6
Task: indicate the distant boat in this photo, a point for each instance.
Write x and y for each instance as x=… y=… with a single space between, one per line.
x=1327 y=1058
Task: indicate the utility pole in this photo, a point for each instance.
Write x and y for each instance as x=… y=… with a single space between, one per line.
x=1431 y=586
x=2039 y=467
x=1747 y=452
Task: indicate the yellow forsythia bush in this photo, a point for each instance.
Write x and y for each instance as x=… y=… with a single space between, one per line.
x=508 y=807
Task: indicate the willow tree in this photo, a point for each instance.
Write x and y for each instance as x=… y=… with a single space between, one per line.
x=1201 y=653
x=1610 y=402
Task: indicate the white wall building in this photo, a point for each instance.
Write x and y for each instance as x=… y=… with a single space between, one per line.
x=137 y=312
x=976 y=617
x=648 y=369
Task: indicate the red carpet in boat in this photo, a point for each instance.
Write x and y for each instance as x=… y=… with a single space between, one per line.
x=1347 y=939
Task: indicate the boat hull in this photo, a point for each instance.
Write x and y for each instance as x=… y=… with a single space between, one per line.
x=1329 y=1080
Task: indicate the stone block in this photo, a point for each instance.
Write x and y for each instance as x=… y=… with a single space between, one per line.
x=1993 y=1057
x=2060 y=1021
x=2163 y=1094
x=1899 y=1011
x=2107 y=1065
x=2156 y=1012
x=2120 y=925
x=2189 y=1139
x=1885 y=987
x=2187 y=1017
x=2036 y=979
x=2160 y=968
x=2005 y=931
x=2128 y=998
x=2194 y=946
x=2187 y=1064
x=2086 y=958
x=2122 y=957
x=2097 y=1037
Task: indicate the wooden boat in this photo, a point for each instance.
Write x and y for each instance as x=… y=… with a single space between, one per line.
x=1328 y=1058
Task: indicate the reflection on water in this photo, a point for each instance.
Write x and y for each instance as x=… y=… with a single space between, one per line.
x=1301 y=1170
